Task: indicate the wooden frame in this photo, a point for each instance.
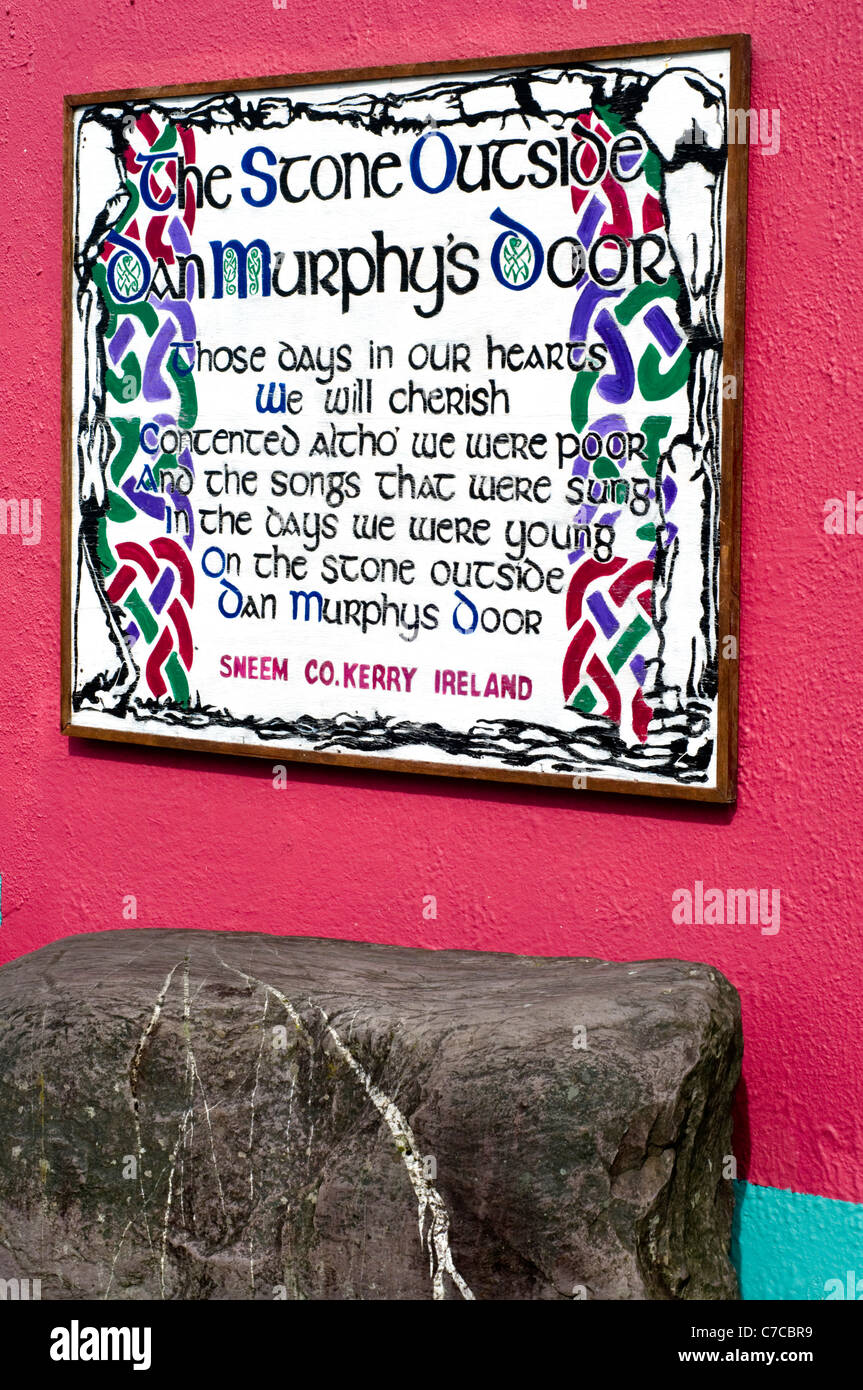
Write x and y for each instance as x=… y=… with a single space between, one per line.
x=738 y=46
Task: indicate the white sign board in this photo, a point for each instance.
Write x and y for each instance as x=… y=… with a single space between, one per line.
x=397 y=417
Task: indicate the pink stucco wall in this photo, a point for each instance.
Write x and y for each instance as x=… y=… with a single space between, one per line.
x=207 y=842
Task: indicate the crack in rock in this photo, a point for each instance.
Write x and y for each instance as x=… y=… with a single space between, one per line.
x=432 y=1215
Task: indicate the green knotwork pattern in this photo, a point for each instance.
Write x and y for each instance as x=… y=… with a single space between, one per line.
x=129 y=275
x=230 y=264
x=255 y=269
x=517 y=259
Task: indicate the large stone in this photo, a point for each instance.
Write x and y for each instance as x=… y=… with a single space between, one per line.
x=205 y=1115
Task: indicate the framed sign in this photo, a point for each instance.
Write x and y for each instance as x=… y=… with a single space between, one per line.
x=402 y=417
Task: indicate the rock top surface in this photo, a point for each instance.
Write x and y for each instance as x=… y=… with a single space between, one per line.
x=213 y=1115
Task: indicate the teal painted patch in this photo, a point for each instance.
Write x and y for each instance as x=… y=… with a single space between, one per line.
x=790 y=1245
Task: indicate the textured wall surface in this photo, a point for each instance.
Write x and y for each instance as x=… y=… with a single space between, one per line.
x=205 y=842
x=788 y=1245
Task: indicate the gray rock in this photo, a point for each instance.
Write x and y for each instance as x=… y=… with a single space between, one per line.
x=209 y=1115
